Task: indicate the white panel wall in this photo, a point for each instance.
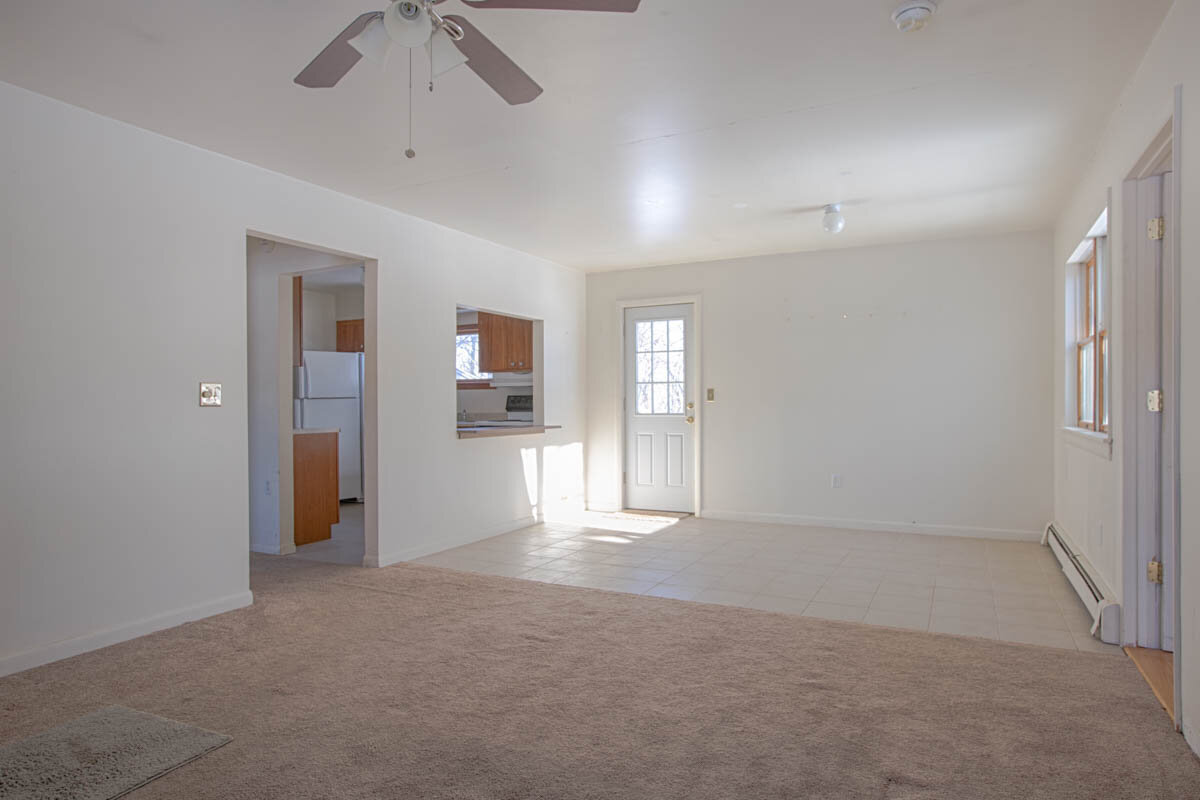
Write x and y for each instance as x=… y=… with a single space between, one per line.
x=917 y=372
x=1145 y=105
x=123 y=505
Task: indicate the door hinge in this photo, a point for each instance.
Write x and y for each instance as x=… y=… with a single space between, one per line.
x=1156 y=228
x=1154 y=401
x=1154 y=572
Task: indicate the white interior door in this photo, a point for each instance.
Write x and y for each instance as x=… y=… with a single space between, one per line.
x=660 y=408
x=1155 y=478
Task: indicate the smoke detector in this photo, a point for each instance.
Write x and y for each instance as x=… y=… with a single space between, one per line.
x=913 y=15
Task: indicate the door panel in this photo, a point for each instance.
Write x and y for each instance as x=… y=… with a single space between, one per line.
x=1168 y=480
x=660 y=392
x=1148 y=377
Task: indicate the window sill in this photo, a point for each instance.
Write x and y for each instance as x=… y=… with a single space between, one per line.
x=1098 y=444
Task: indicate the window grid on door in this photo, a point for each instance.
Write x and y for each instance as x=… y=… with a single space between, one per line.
x=661 y=365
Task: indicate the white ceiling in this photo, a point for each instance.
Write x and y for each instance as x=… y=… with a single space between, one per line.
x=653 y=126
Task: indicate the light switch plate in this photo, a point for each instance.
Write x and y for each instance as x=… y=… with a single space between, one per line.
x=712 y=395
x=210 y=395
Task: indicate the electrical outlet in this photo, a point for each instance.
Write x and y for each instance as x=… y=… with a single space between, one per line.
x=835 y=481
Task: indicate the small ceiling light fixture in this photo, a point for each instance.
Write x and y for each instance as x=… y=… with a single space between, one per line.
x=833 y=222
x=913 y=15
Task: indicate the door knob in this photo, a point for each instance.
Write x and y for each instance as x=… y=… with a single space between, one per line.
x=691 y=420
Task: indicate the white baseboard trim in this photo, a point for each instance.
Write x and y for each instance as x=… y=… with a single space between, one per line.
x=74 y=646
x=458 y=540
x=605 y=507
x=1192 y=737
x=267 y=548
x=875 y=525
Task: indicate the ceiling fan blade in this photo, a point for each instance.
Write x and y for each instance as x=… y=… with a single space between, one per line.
x=332 y=63
x=560 y=5
x=496 y=69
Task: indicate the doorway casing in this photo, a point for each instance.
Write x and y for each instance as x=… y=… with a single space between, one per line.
x=284 y=379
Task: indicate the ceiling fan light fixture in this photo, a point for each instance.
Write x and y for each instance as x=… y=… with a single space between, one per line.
x=407 y=23
x=913 y=15
x=374 y=42
x=833 y=222
x=444 y=55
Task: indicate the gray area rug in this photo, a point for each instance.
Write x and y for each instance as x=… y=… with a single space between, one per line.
x=99 y=756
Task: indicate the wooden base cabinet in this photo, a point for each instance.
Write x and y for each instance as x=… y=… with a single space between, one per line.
x=314 y=486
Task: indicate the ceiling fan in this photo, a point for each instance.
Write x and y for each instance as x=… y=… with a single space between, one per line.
x=450 y=41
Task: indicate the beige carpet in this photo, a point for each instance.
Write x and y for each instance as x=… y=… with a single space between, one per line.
x=417 y=682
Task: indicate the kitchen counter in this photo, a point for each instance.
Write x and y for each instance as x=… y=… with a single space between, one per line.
x=480 y=432
x=311 y=431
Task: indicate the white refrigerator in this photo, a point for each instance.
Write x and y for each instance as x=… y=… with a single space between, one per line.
x=328 y=394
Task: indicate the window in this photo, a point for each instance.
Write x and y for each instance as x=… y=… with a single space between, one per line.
x=660 y=366
x=466 y=358
x=1091 y=345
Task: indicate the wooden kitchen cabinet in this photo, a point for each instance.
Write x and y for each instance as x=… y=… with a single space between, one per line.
x=505 y=343
x=351 y=336
x=314 y=485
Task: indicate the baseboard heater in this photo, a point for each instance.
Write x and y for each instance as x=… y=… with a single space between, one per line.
x=1092 y=590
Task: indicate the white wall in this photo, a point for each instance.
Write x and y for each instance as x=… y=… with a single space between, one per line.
x=319 y=320
x=124 y=505
x=264 y=265
x=348 y=302
x=1145 y=105
x=917 y=372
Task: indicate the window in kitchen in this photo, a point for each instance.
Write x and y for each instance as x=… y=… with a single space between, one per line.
x=466 y=358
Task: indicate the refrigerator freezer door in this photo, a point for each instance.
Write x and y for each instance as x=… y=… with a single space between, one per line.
x=343 y=415
x=329 y=374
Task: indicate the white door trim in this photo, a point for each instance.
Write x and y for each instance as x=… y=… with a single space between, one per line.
x=619 y=421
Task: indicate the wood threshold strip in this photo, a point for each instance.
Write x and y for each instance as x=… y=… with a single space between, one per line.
x=484 y=433
x=1158 y=668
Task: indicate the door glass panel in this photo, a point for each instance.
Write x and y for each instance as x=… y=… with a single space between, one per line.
x=661 y=403
x=644 y=363
x=643 y=337
x=676 y=402
x=660 y=335
x=644 y=405
x=675 y=367
x=675 y=334
x=661 y=366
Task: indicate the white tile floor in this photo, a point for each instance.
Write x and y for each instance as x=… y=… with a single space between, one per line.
x=347 y=544
x=1012 y=591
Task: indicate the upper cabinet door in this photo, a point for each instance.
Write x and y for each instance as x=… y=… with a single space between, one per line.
x=505 y=343
x=350 y=336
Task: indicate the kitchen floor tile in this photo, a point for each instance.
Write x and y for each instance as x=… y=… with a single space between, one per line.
x=835 y=611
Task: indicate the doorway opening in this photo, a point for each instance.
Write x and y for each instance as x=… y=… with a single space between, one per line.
x=659 y=355
x=312 y=400
x=1150 y=391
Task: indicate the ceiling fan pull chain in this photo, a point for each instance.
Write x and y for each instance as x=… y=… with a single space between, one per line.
x=410 y=153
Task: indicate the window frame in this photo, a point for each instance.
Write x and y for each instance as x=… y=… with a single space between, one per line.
x=1091 y=331
x=466 y=330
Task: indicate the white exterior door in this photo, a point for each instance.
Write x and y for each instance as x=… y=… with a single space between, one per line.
x=660 y=408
